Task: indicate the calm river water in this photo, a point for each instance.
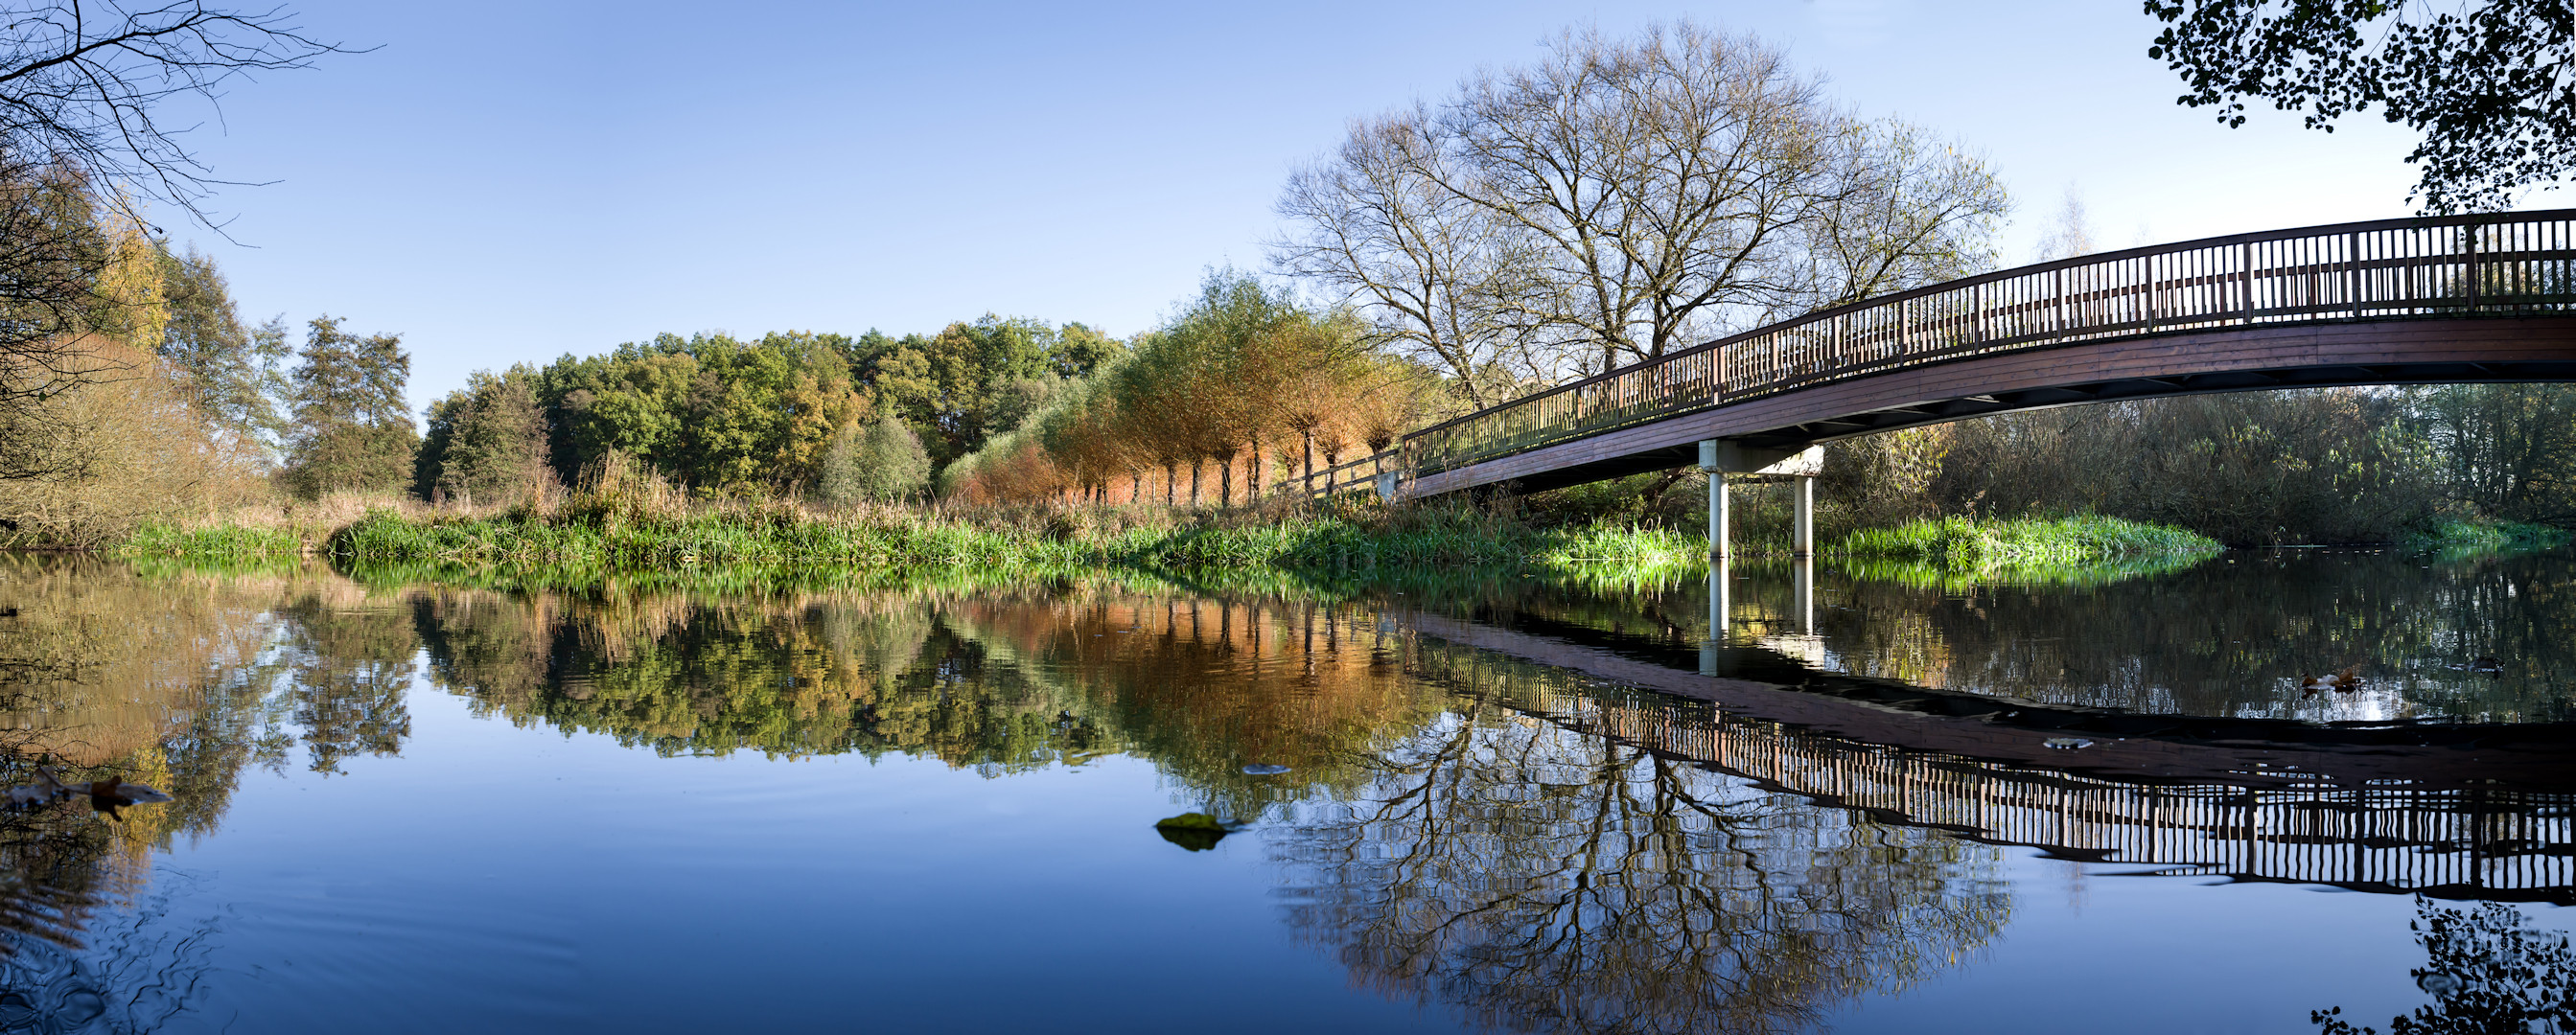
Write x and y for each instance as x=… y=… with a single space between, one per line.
x=1877 y=801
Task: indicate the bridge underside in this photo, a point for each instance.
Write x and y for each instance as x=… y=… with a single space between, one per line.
x=2314 y=355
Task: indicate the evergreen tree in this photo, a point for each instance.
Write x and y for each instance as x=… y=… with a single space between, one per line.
x=353 y=430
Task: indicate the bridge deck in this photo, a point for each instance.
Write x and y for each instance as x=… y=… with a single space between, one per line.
x=2437 y=299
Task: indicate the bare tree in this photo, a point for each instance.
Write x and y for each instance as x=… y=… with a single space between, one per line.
x=1910 y=211
x=1430 y=265
x=1623 y=198
x=82 y=82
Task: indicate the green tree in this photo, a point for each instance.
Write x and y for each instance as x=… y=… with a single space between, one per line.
x=81 y=142
x=972 y=381
x=353 y=428
x=2506 y=450
x=881 y=462
x=486 y=441
x=232 y=375
x=764 y=413
x=2488 y=83
x=631 y=401
x=708 y=410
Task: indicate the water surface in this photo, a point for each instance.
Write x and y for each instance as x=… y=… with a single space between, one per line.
x=1510 y=804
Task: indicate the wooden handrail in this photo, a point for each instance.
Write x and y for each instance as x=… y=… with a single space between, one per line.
x=2502 y=264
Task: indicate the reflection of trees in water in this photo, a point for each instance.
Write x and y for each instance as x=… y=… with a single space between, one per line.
x=2488 y=971
x=350 y=666
x=1550 y=880
x=77 y=953
x=2229 y=636
x=1205 y=685
x=1539 y=878
x=2234 y=639
x=790 y=675
x=1006 y=680
x=180 y=682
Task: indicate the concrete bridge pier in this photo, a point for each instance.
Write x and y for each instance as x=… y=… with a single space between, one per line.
x=1717 y=541
x=1721 y=585
x=1802 y=529
x=1802 y=592
x=1720 y=457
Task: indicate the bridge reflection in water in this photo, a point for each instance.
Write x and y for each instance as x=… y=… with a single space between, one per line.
x=2441 y=839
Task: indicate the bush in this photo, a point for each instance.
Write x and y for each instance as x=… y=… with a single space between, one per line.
x=882 y=462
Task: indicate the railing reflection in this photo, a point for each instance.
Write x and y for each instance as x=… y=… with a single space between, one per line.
x=2449 y=841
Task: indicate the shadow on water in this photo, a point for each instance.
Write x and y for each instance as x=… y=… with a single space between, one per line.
x=1533 y=801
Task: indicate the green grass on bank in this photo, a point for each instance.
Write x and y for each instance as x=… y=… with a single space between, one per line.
x=579 y=549
x=224 y=544
x=1960 y=543
x=2482 y=536
x=590 y=547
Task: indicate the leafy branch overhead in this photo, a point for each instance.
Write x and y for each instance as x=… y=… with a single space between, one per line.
x=2491 y=84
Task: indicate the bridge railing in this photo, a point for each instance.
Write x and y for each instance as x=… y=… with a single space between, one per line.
x=2445 y=266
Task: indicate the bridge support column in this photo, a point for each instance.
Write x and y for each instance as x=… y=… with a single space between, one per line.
x=1721 y=585
x=1802 y=593
x=1709 y=462
x=1802 y=533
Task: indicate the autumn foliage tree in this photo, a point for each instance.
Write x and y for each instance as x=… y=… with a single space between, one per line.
x=1245 y=380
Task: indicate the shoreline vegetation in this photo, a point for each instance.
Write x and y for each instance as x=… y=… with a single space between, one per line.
x=592 y=538
x=593 y=535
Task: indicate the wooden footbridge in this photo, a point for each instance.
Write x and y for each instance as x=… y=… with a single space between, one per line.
x=2407 y=301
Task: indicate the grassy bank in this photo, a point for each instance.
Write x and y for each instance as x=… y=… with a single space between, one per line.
x=577 y=545
x=2481 y=536
x=1962 y=543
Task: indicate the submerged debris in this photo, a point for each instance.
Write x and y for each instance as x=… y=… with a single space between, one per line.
x=105 y=793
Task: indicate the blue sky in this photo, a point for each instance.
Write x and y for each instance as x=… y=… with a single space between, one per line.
x=505 y=182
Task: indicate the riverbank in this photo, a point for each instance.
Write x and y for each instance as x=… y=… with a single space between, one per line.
x=899 y=539
x=586 y=543
x=1960 y=542
x=2484 y=536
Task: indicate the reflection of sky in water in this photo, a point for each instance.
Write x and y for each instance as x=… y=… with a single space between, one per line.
x=444 y=811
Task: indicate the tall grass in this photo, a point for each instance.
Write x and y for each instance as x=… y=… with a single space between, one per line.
x=220 y=543
x=1964 y=544
x=879 y=541
x=2479 y=537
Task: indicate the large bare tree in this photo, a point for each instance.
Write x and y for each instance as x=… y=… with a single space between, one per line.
x=1621 y=198
x=1433 y=266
